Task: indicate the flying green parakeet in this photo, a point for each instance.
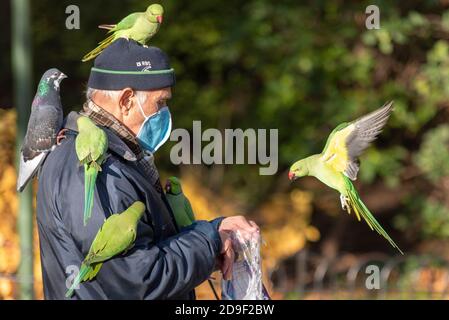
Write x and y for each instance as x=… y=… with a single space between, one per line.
x=139 y=26
x=179 y=203
x=91 y=145
x=116 y=235
x=338 y=163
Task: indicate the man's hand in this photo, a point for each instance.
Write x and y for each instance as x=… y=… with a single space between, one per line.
x=228 y=225
x=239 y=223
x=227 y=256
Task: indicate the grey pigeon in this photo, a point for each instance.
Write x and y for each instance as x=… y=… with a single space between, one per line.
x=44 y=126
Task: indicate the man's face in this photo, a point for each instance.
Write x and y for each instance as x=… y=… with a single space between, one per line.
x=132 y=114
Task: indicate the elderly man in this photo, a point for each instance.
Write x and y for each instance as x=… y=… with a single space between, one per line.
x=129 y=88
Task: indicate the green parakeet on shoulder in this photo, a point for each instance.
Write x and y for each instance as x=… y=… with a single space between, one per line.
x=91 y=145
x=139 y=26
x=116 y=235
x=338 y=163
x=179 y=203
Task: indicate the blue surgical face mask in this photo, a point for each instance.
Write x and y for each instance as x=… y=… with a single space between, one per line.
x=155 y=130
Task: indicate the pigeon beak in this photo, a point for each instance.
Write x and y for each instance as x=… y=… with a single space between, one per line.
x=291 y=176
x=159 y=19
x=62 y=76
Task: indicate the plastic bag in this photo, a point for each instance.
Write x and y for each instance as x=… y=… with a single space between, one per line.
x=246 y=282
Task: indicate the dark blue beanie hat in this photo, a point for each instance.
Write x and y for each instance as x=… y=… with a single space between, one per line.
x=126 y=63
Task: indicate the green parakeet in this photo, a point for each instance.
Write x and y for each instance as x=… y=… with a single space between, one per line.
x=338 y=164
x=91 y=145
x=182 y=209
x=139 y=26
x=179 y=203
x=116 y=235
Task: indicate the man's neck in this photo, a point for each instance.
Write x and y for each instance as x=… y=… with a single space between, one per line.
x=105 y=119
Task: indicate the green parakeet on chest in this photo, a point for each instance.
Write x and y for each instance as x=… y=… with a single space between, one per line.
x=139 y=26
x=179 y=203
x=91 y=145
x=116 y=235
x=338 y=164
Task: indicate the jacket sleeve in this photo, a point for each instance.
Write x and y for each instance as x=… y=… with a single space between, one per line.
x=152 y=269
x=173 y=267
x=167 y=269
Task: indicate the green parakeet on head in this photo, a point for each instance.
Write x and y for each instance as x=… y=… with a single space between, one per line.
x=179 y=203
x=139 y=26
x=91 y=145
x=116 y=235
x=338 y=164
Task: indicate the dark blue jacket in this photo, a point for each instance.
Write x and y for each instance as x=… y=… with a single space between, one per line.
x=163 y=264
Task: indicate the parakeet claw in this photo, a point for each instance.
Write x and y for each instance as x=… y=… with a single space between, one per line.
x=60 y=136
x=345 y=203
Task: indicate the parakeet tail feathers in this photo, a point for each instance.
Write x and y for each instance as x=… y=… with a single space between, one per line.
x=107 y=26
x=90 y=176
x=107 y=41
x=102 y=45
x=361 y=210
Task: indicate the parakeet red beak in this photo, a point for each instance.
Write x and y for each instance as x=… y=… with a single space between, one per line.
x=291 y=176
x=159 y=19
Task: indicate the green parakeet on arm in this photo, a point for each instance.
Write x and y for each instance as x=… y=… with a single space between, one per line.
x=91 y=145
x=179 y=203
x=182 y=209
x=116 y=235
x=139 y=26
x=338 y=164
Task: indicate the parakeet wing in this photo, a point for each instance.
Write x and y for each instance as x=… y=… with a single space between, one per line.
x=189 y=210
x=127 y=22
x=98 y=139
x=349 y=140
x=91 y=145
x=110 y=240
x=82 y=147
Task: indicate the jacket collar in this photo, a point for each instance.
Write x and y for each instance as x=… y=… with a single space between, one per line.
x=116 y=144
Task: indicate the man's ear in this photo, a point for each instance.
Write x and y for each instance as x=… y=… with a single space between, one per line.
x=125 y=100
